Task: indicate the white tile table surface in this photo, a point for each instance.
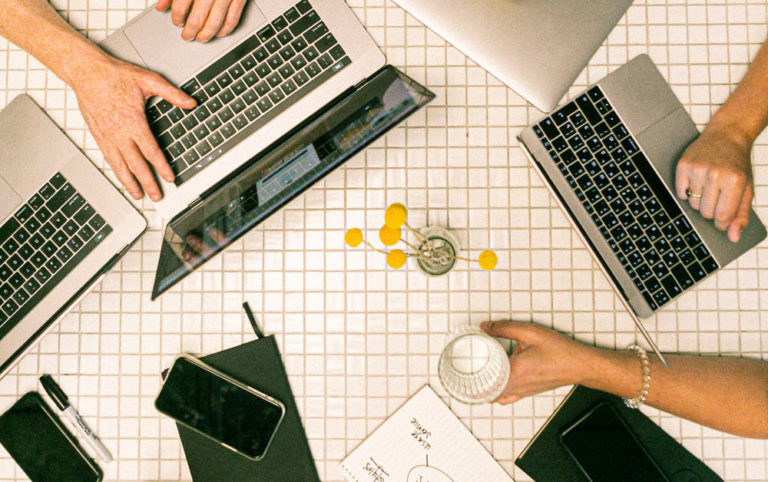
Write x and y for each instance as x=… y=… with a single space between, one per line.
x=358 y=338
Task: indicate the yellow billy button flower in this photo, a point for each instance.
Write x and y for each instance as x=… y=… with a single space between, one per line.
x=389 y=236
x=488 y=260
x=353 y=237
x=396 y=259
x=395 y=215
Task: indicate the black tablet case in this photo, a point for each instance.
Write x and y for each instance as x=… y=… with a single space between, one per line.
x=545 y=459
x=257 y=364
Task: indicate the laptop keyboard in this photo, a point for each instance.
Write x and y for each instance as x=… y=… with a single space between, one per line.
x=628 y=201
x=247 y=87
x=40 y=244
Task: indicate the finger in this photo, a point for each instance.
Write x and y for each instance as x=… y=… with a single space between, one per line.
x=152 y=153
x=155 y=84
x=196 y=244
x=682 y=179
x=709 y=197
x=162 y=5
x=216 y=235
x=140 y=169
x=179 y=12
x=514 y=330
x=196 y=19
x=728 y=205
x=123 y=173
x=233 y=17
x=696 y=180
x=742 y=215
x=214 y=21
x=114 y=159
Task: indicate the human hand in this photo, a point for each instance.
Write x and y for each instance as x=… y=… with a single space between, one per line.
x=543 y=359
x=197 y=250
x=203 y=19
x=112 y=95
x=717 y=166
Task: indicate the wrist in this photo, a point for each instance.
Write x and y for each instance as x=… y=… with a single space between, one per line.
x=735 y=128
x=91 y=61
x=612 y=371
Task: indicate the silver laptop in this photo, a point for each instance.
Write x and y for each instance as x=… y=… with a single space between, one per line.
x=609 y=156
x=536 y=47
x=62 y=226
x=285 y=60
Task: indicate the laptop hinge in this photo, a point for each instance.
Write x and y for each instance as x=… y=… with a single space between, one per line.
x=194 y=203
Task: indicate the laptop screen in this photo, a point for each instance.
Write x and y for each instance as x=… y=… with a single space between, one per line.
x=284 y=170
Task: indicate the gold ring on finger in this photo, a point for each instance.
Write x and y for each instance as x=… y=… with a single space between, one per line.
x=693 y=194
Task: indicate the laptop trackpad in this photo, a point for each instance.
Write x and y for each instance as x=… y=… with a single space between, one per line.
x=9 y=200
x=158 y=41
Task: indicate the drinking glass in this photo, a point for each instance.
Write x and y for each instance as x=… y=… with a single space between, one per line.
x=473 y=366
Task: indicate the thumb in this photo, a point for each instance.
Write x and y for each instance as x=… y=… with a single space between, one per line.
x=742 y=216
x=157 y=85
x=513 y=330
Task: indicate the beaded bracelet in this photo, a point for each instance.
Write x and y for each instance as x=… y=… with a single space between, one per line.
x=646 y=367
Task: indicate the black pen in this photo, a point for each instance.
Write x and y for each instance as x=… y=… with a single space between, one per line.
x=62 y=401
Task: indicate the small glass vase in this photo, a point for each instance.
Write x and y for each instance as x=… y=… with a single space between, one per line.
x=437 y=251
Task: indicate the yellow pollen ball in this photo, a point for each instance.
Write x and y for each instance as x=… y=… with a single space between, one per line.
x=488 y=260
x=354 y=237
x=396 y=259
x=389 y=236
x=395 y=215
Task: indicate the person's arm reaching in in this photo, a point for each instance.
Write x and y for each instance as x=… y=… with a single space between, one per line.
x=726 y=393
x=203 y=20
x=111 y=93
x=717 y=167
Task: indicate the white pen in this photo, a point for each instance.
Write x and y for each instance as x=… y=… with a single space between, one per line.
x=62 y=401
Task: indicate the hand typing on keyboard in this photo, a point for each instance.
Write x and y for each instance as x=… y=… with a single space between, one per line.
x=111 y=94
x=203 y=19
x=717 y=168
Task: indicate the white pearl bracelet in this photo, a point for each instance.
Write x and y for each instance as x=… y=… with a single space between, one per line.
x=646 y=367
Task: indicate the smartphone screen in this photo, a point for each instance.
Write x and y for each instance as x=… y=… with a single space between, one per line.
x=210 y=402
x=607 y=450
x=39 y=443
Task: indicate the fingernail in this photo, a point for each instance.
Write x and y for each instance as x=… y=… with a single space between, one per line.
x=155 y=196
x=136 y=195
x=485 y=325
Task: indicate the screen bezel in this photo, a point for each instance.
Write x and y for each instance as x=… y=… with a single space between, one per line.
x=204 y=366
x=622 y=422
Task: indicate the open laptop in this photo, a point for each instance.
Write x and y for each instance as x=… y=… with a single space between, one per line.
x=285 y=60
x=609 y=156
x=536 y=47
x=62 y=226
x=295 y=91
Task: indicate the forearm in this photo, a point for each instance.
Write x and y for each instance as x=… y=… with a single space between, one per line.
x=726 y=393
x=35 y=26
x=745 y=112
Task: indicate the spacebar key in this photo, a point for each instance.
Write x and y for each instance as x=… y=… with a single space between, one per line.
x=227 y=60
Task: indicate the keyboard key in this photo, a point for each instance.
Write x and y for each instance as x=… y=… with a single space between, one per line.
x=279 y=23
x=303 y=6
x=42 y=275
x=57 y=180
x=291 y=15
x=304 y=23
x=53 y=265
x=660 y=297
x=273 y=46
x=73 y=205
x=588 y=109
x=709 y=265
x=97 y=222
x=266 y=33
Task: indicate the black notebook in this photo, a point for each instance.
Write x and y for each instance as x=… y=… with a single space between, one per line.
x=259 y=365
x=545 y=458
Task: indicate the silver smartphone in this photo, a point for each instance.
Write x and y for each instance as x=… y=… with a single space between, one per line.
x=216 y=405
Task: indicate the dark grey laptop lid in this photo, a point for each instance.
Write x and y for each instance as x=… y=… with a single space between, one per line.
x=281 y=172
